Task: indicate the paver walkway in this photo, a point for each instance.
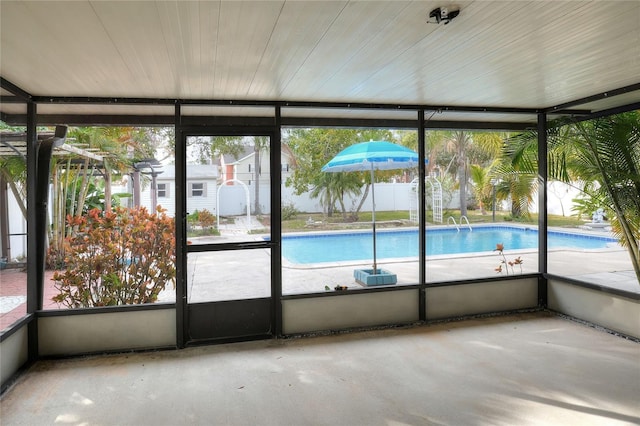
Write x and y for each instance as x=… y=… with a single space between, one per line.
x=13 y=295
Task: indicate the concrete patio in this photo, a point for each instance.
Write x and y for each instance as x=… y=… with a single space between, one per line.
x=526 y=369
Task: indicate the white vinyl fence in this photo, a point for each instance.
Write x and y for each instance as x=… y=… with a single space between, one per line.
x=389 y=197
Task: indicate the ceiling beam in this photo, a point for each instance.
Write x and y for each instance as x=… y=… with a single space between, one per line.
x=11 y=100
x=593 y=98
x=144 y=119
x=166 y=120
x=612 y=111
x=10 y=87
x=102 y=100
x=282 y=104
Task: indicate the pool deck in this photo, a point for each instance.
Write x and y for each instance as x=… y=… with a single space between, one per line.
x=246 y=273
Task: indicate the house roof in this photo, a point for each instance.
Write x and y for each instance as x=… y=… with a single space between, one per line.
x=497 y=61
x=194 y=171
x=245 y=152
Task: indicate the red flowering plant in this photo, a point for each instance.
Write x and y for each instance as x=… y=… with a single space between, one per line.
x=122 y=257
x=506 y=263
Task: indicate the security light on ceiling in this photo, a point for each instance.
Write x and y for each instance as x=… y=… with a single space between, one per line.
x=442 y=14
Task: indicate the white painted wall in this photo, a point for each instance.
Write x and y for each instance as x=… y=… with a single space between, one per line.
x=99 y=332
x=614 y=312
x=480 y=298
x=13 y=353
x=349 y=310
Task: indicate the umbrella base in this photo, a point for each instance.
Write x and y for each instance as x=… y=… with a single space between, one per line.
x=367 y=277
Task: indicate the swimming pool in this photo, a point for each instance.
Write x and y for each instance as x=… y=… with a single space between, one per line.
x=353 y=246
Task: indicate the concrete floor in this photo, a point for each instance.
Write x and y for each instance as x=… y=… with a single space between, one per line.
x=526 y=369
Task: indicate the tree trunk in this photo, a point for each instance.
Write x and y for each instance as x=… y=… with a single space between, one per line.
x=84 y=187
x=364 y=197
x=344 y=210
x=107 y=191
x=55 y=225
x=256 y=180
x=516 y=211
x=330 y=205
x=462 y=170
x=462 y=177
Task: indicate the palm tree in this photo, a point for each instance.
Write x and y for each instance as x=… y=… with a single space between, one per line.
x=122 y=145
x=484 y=175
x=332 y=188
x=604 y=153
x=459 y=142
x=482 y=184
x=435 y=140
x=312 y=148
x=518 y=172
x=462 y=144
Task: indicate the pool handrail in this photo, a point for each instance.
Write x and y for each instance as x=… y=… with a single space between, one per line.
x=468 y=224
x=451 y=218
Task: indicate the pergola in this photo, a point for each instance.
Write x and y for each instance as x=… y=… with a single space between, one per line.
x=14 y=144
x=251 y=68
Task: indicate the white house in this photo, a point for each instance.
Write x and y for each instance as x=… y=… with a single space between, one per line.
x=201 y=189
x=243 y=166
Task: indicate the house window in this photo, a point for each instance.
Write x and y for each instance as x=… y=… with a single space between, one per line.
x=249 y=168
x=284 y=167
x=163 y=190
x=197 y=189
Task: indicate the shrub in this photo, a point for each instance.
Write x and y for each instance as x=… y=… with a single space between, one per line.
x=54 y=258
x=289 y=211
x=206 y=219
x=117 y=258
x=193 y=217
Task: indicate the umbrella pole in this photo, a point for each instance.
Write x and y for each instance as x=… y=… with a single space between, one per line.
x=373 y=219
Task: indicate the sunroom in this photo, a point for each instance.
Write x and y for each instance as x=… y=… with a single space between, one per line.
x=271 y=76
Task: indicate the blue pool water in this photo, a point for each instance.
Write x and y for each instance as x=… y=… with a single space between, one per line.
x=393 y=244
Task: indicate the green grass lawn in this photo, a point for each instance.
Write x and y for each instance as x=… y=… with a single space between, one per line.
x=300 y=221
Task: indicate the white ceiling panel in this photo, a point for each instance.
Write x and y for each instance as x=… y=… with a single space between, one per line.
x=75 y=109
x=495 y=54
x=354 y=113
x=222 y=111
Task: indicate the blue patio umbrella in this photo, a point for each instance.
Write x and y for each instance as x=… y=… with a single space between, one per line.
x=371 y=156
